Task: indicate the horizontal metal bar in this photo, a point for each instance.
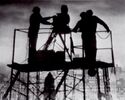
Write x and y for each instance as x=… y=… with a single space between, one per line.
x=102 y=48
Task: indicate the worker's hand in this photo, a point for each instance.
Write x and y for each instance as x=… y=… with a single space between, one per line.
x=108 y=30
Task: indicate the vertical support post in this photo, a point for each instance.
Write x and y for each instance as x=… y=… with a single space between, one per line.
x=10 y=83
x=98 y=85
x=27 y=94
x=65 y=89
x=64 y=41
x=18 y=97
x=71 y=45
x=65 y=58
x=112 y=54
x=37 y=84
x=112 y=48
x=106 y=82
x=84 y=89
x=74 y=81
x=14 y=39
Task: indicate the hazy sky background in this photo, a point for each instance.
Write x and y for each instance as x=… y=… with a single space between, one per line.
x=15 y=14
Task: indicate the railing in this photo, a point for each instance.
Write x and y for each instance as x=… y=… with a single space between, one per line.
x=76 y=47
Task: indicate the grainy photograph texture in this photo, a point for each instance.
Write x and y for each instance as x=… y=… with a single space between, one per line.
x=62 y=50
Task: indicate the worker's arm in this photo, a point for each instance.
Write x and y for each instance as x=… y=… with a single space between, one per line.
x=44 y=20
x=47 y=18
x=103 y=24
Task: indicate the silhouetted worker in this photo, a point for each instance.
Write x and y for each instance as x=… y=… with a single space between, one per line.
x=49 y=88
x=60 y=24
x=87 y=25
x=35 y=20
x=61 y=21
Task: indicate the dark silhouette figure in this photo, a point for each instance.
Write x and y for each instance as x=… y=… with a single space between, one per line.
x=35 y=20
x=49 y=88
x=60 y=25
x=87 y=25
x=61 y=21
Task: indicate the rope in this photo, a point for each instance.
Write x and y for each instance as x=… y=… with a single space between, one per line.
x=102 y=37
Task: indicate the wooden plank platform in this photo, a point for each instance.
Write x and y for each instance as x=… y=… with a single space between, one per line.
x=75 y=64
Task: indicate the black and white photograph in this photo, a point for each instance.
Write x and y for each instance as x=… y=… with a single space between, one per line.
x=62 y=50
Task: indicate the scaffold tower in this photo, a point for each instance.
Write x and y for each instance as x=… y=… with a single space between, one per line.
x=59 y=71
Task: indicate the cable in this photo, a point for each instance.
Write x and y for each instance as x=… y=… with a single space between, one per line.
x=101 y=36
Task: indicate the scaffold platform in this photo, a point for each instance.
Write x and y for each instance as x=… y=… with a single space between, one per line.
x=75 y=64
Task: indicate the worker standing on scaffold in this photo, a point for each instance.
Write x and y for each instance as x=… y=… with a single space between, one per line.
x=35 y=20
x=61 y=21
x=60 y=25
x=88 y=25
